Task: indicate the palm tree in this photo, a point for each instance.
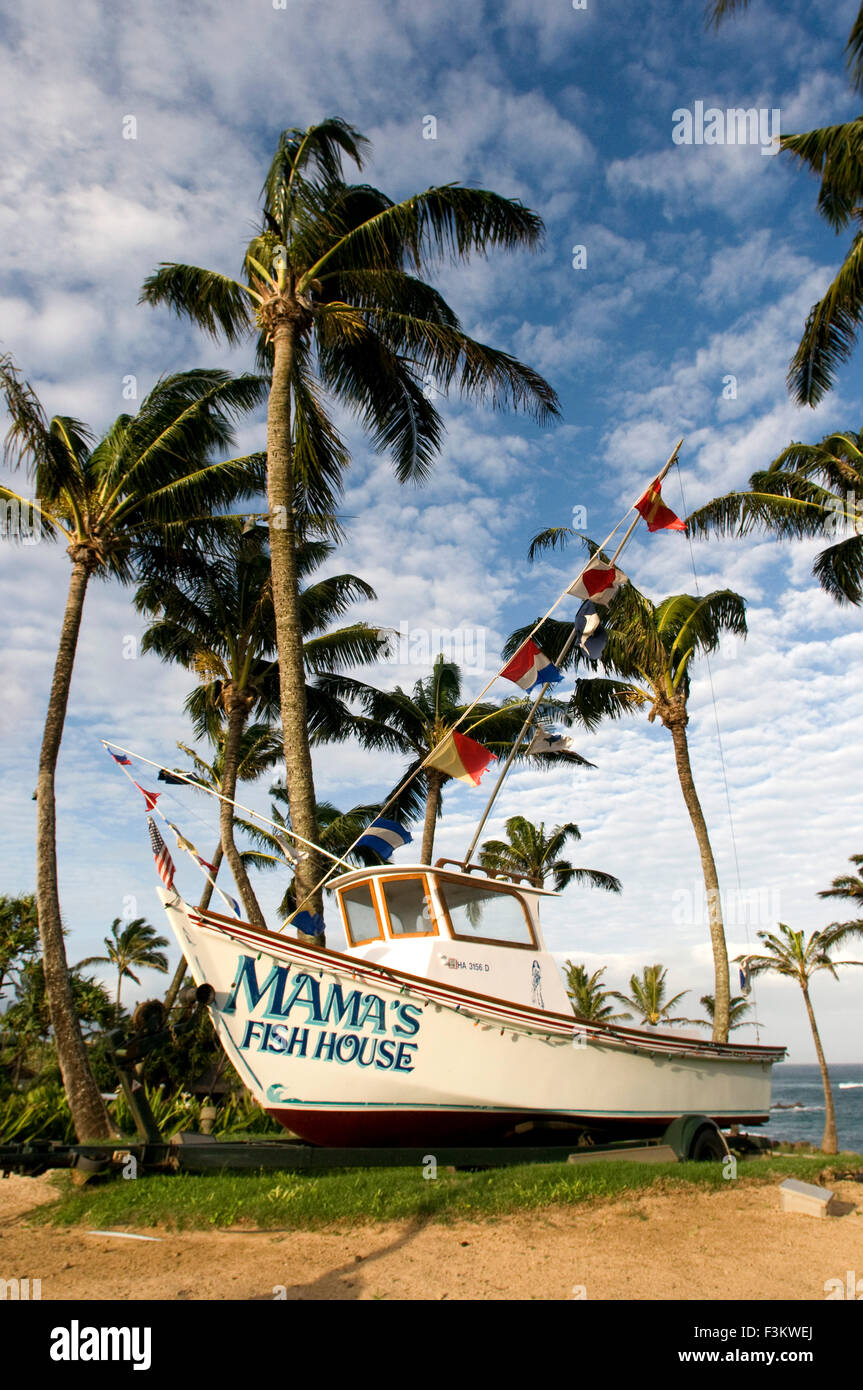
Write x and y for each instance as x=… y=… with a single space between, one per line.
x=217 y=619
x=331 y=287
x=648 y=657
x=739 y=1005
x=337 y=832
x=790 y=955
x=260 y=750
x=134 y=945
x=647 y=999
x=528 y=851
x=836 y=154
x=849 y=887
x=19 y=936
x=589 y=996
x=809 y=490
x=150 y=476
x=415 y=723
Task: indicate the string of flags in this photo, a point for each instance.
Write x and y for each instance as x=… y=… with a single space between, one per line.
x=384 y=836
x=459 y=756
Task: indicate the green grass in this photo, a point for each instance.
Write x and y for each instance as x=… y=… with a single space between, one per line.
x=305 y=1201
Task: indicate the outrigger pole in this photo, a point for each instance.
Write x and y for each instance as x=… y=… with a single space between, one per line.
x=200 y=787
x=321 y=881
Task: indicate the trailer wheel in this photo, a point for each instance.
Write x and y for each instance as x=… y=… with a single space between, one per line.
x=708 y=1146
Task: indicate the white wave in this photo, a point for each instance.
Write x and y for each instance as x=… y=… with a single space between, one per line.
x=850 y=1085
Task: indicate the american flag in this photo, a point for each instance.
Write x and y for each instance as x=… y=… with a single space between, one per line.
x=164 y=862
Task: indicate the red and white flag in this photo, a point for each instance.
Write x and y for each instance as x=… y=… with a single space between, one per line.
x=598 y=582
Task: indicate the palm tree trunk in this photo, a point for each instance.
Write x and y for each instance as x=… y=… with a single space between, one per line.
x=237 y=714
x=830 y=1142
x=434 y=782
x=85 y=1103
x=286 y=604
x=722 y=987
x=203 y=904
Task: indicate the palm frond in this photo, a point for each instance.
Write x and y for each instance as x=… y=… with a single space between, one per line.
x=216 y=303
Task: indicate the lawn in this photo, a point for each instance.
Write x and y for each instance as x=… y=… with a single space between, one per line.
x=305 y=1201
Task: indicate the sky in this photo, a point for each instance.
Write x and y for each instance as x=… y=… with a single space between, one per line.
x=140 y=134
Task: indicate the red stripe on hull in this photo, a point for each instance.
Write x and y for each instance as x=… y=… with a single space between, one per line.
x=412 y=1128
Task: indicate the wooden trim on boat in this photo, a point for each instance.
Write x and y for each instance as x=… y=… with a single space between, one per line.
x=365 y=940
x=407 y=878
x=541 y=1019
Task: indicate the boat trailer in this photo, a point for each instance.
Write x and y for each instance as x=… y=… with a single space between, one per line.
x=689 y=1137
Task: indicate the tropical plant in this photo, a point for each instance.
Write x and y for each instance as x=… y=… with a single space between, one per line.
x=791 y=955
x=337 y=832
x=331 y=285
x=26 y=1025
x=528 y=851
x=648 y=658
x=260 y=749
x=217 y=620
x=848 y=887
x=589 y=996
x=835 y=153
x=133 y=944
x=415 y=723
x=19 y=937
x=809 y=490
x=738 y=1006
x=149 y=479
x=647 y=999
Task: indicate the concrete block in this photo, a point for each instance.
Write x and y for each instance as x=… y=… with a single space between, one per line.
x=805 y=1198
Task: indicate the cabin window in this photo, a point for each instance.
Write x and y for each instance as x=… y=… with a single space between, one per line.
x=408 y=907
x=478 y=914
x=360 y=914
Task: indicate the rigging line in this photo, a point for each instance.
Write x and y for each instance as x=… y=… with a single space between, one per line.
x=671 y=460
x=107 y=743
x=719 y=742
x=178 y=836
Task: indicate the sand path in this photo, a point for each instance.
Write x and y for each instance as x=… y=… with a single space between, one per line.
x=693 y=1245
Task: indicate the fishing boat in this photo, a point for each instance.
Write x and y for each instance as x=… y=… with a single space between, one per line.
x=444 y=1019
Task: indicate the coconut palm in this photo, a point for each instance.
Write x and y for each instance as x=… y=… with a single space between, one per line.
x=150 y=476
x=217 y=619
x=790 y=955
x=260 y=750
x=849 y=887
x=415 y=723
x=528 y=851
x=337 y=831
x=589 y=996
x=835 y=153
x=809 y=490
x=647 y=1000
x=738 y=1006
x=331 y=288
x=648 y=656
x=133 y=944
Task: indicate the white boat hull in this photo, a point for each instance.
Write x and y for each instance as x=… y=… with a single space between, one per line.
x=343 y=1051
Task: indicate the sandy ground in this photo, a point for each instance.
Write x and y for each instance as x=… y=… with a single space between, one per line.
x=731 y=1244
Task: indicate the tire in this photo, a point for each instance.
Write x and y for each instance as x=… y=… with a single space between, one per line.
x=708 y=1146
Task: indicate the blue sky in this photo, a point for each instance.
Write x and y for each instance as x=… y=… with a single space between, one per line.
x=702 y=262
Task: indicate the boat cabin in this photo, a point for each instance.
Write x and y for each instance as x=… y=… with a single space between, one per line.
x=454 y=925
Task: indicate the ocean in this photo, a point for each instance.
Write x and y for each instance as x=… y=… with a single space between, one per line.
x=802 y=1088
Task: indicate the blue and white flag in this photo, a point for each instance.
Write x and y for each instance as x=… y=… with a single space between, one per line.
x=591 y=636
x=745 y=982
x=384 y=836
